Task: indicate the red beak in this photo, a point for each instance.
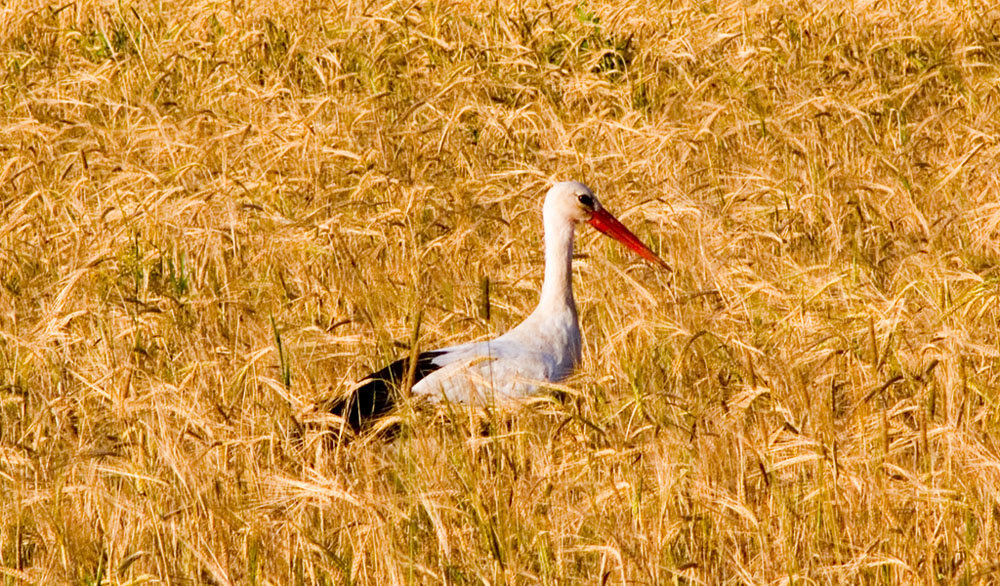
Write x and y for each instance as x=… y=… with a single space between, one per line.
x=608 y=224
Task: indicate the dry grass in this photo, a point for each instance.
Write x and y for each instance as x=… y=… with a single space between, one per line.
x=215 y=214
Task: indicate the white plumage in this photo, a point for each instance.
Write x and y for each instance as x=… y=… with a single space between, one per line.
x=545 y=347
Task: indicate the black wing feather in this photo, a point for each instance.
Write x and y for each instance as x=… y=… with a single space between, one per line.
x=380 y=390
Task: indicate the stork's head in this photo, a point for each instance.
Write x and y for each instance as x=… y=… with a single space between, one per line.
x=574 y=202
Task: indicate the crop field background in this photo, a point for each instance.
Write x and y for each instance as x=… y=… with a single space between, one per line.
x=216 y=215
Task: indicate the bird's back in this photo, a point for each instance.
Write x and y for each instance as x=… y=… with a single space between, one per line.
x=542 y=349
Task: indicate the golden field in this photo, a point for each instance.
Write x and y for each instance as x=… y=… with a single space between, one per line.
x=216 y=215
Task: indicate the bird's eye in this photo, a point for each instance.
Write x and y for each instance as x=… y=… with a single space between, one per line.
x=586 y=200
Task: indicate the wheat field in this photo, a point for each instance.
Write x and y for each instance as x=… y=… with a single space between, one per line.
x=215 y=216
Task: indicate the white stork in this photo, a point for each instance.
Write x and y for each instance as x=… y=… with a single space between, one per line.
x=545 y=347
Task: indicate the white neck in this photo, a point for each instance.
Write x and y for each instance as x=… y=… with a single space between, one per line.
x=557 y=288
x=553 y=328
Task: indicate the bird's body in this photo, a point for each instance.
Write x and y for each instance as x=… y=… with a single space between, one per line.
x=544 y=348
x=508 y=367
